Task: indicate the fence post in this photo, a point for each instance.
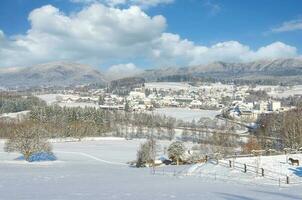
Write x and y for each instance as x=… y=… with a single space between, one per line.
x=287 y=180
x=230 y=163
x=262 y=171
x=245 y=170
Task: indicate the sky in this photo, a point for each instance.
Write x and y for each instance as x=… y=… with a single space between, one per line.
x=129 y=35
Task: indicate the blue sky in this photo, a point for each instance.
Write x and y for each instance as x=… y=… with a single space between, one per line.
x=246 y=21
x=178 y=32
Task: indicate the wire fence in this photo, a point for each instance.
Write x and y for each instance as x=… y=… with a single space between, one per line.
x=258 y=171
x=273 y=177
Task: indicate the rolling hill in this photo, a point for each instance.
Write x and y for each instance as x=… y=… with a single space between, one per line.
x=50 y=74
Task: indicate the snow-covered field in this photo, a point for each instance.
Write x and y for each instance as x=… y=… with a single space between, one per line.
x=15 y=115
x=78 y=104
x=49 y=98
x=168 y=85
x=187 y=114
x=97 y=170
x=295 y=90
x=53 y=98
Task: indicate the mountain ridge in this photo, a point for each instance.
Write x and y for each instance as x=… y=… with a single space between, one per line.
x=59 y=73
x=62 y=73
x=270 y=69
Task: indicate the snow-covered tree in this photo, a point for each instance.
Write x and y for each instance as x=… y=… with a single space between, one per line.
x=176 y=150
x=146 y=153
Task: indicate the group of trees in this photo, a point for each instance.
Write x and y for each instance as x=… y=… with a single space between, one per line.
x=16 y=103
x=55 y=121
x=280 y=130
x=258 y=95
x=80 y=122
x=147 y=152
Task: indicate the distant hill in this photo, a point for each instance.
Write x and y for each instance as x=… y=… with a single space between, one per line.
x=264 y=71
x=50 y=74
x=277 y=71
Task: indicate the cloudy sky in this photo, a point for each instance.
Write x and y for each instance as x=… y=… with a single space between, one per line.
x=129 y=35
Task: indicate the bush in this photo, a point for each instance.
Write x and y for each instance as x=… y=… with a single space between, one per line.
x=38 y=157
x=252 y=144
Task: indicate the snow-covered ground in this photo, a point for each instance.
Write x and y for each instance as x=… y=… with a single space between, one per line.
x=97 y=170
x=275 y=169
x=53 y=98
x=78 y=104
x=49 y=98
x=294 y=90
x=15 y=115
x=168 y=85
x=187 y=114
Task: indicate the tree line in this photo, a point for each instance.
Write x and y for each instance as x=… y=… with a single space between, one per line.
x=15 y=103
x=81 y=122
x=280 y=130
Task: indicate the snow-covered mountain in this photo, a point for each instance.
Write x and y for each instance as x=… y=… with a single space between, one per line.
x=276 y=70
x=67 y=73
x=50 y=74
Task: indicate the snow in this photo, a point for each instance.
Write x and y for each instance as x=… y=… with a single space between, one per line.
x=186 y=114
x=78 y=104
x=53 y=99
x=49 y=98
x=15 y=115
x=96 y=170
x=277 y=164
x=292 y=91
x=71 y=139
x=168 y=85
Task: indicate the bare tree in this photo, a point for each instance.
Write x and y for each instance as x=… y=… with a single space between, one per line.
x=28 y=139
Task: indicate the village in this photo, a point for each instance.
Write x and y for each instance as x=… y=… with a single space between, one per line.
x=236 y=102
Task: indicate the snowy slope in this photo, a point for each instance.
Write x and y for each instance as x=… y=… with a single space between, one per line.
x=95 y=170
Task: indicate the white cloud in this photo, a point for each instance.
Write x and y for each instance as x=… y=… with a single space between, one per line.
x=94 y=35
x=122 y=70
x=292 y=25
x=140 y=3
x=213 y=8
x=170 y=49
x=99 y=35
x=275 y=50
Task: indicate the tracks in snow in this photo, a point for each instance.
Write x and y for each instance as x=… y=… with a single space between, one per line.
x=92 y=157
